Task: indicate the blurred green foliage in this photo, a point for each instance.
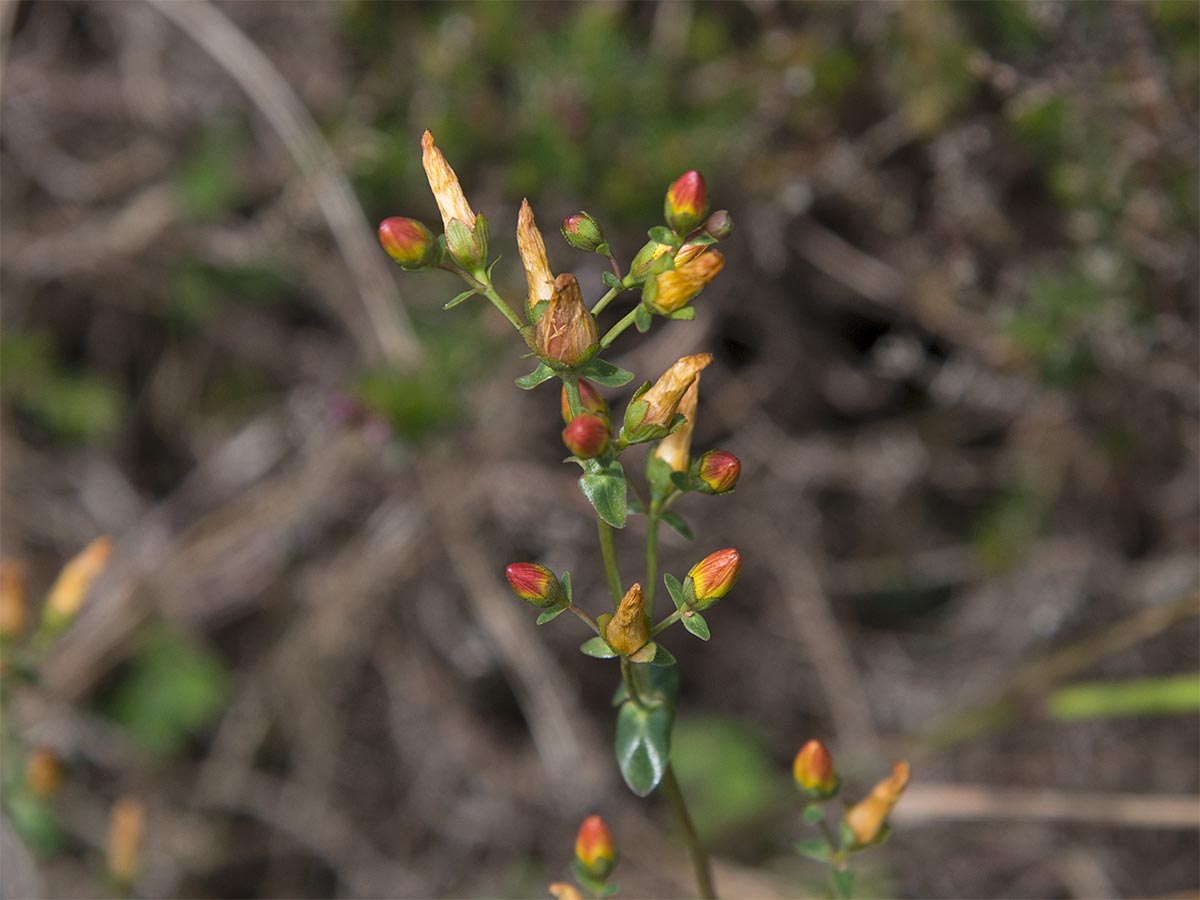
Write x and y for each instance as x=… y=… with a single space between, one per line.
x=1006 y=527
x=207 y=180
x=1172 y=695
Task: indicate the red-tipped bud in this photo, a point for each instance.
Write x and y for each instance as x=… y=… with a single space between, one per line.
x=866 y=820
x=719 y=224
x=594 y=848
x=686 y=203
x=718 y=471
x=535 y=584
x=583 y=232
x=714 y=576
x=589 y=398
x=814 y=772
x=408 y=242
x=586 y=436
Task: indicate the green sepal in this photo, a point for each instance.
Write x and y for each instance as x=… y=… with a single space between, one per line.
x=550 y=615
x=677 y=523
x=643 y=745
x=565 y=581
x=634 y=507
x=608 y=890
x=611 y=280
x=686 y=314
x=814 y=849
x=465 y=295
x=814 y=813
x=674 y=590
x=663 y=235
x=597 y=647
x=689 y=591
x=535 y=313
x=595 y=886
x=468 y=247
x=681 y=480
x=694 y=623
x=843 y=883
x=642 y=319
x=607 y=492
x=662 y=656
x=542 y=373
x=605 y=374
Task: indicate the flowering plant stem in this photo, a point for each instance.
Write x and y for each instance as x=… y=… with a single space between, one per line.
x=607 y=299
x=615 y=331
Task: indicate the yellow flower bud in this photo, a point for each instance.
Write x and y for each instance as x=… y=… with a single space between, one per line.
x=125 y=826
x=629 y=631
x=448 y=193
x=664 y=397
x=14 y=610
x=561 y=890
x=678 y=287
x=813 y=770
x=43 y=772
x=714 y=576
x=567 y=332
x=532 y=248
x=675 y=449
x=866 y=819
x=71 y=587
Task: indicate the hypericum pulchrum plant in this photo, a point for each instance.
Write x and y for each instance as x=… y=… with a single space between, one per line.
x=561 y=332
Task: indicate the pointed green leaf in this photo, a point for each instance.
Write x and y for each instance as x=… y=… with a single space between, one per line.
x=814 y=813
x=598 y=648
x=642 y=320
x=606 y=491
x=606 y=374
x=663 y=235
x=610 y=280
x=684 y=315
x=694 y=622
x=681 y=482
x=677 y=523
x=814 y=849
x=843 y=883
x=551 y=614
x=643 y=745
x=542 y=373
x=662 y=656
x=465 y=295
x=565 y=578
x=674 y=589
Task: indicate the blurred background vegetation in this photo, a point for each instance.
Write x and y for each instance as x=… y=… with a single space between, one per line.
x=956 y=345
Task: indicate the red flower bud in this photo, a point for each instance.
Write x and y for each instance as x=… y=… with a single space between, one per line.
x=586 y=436
x=718 y=472
x=686 y=203
x=589 y=398
x=714 y=576
x=594 y=848
x=408 y=242
x=719 y=224
x=583 y=232
x=814 y=772
x=535 y=584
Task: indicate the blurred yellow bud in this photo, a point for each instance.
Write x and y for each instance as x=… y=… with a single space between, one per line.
x=813 y=770
x=561 y=890
x=14 y=610
x=679 y=286
x=125 y=827
x=663 y=399
x=594 y=848
x=866 y=819
x=71 y=587
x=629 y=631
x=676 y=448
x=43 y=772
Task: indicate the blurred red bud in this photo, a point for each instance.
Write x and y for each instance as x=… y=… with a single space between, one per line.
x=408 y=242
x=594 y=848
x=814 y=772
x=589 y=398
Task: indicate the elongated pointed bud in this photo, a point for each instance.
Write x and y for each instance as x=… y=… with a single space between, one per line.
x=717 y=472
x=583 y=232
x=686 y=203
x=14 y=608
x=466 y=233
x=714 y=576
x=814 y=772
x=408 y=242
x=43 y=772
x=567 y=332
x=664 y=396
x=531 y=246
x=535 y=584
x=628 y=631
x=678 y=287
x=676 y=448
x=125 y=827
x=644 y=261
x=867 y=819
x=589 y=398
x=594 y=848
x=71 y=588
x=719 y=224
x=586 y=436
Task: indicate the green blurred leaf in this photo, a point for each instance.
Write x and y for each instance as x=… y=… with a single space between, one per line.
x=814 y=849
x=677 y=523
x=1170 y=695
x=606 y=491
x=597 y=647
x=33 y=820
x=643 y=745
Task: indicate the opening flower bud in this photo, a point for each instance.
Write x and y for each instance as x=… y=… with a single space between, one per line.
x=466 y=234
x=538 y=277
x=535 y=584
x=719 y=224
x=408 y=242
x=583 y=232
x=714 y=576
x=586 y=436
x=71 y=588
x=663 y=398
x=687 y=202
x=718 y=471
x=628 y=631
x=866 y=820
x=567 y=332
x=814 y=772
x=678 y=287
x=676 y=448
x=589 y=399
x=594 y=848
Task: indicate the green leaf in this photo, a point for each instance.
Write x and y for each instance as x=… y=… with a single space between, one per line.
x=565 y=578
x=1171 y=695
x=681 y=482
x=606 y=491
x=814 y=849
x=643 y=745
x=598 y=648
x=843 y=883
x=465 y=295
x=551 y=614
x=642 y=320
x=606 y=374
x=663 y=235
x=677 y=523
x=611 y=280
x=662 y=656
x=694 y=622
x=814 y=813
x=674 y=589
x=686 y=314
x=542 y=373
x=33 y=819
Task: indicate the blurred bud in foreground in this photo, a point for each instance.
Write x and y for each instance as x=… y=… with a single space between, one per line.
x=867 y=819
x=814 y=772
x=594 y=848
x=589 y=399
x=466 y=234
x=718 y=471
x=408 y=242
x=14 y=609
x=125 y=826
x=686 y=203
x=628 y=631
x=583 y=232
x=535 y=584
x=561 y=890
x=538 y=277
x=678 y=287
x=566 y=332
x=663 y=398
x=676 y=448
x=71 y=587
x=586 y=436
x=719 y=224
x=43 y=772
x=714 y=576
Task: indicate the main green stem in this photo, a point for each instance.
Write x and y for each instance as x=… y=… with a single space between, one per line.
x=609 y=551
x=651 y=558
x=615 y=331
x=699 y=859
